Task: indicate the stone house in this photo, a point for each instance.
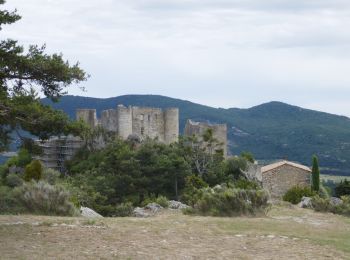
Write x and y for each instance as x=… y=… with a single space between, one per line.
x=279 y=177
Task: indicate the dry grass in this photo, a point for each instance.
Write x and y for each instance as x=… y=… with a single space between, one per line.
x=287 y=233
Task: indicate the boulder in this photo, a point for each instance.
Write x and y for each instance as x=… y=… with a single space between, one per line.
x=141 y=213
x=173 y=204
x=335 y=201
x=153 y=207
x=89 y=213
x=306 y=202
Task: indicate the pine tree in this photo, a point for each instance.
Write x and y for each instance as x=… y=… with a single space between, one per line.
x=23 y=73
x=315 y=174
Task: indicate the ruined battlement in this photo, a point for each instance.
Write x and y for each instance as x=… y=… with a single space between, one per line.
x=140 y=121
x=198 y=129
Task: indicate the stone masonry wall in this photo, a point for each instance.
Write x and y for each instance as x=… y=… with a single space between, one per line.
x=148 y=122
x=198 y=128
x=141 y=121
x=88 y=116
x=279 y=180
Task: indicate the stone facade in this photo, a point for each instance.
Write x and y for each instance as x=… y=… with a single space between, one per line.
x=143 y=122
x=198 y=128
x=278 y=178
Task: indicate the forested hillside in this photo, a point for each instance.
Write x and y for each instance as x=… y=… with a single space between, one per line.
x=271 y=131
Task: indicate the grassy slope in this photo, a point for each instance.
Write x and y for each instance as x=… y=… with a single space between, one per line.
x=285 y=234
x=271 y=131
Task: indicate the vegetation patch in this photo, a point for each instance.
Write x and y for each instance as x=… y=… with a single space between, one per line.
x=223 y=201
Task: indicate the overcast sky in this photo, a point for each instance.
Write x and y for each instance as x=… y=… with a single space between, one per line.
x=222 y=53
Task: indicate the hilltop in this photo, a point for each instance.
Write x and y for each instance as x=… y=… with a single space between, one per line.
x=271 y=131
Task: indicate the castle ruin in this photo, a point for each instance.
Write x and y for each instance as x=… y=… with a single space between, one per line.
x=199 y=128
x=142 y=122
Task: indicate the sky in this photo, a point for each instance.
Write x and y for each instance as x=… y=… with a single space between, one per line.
x=221 y=53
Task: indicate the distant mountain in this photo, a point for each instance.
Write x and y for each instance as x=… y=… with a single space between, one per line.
x=270 y=131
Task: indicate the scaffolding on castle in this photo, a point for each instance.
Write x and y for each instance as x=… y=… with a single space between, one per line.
x=57 y=150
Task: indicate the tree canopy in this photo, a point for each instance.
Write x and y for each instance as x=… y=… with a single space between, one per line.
x=23 y=74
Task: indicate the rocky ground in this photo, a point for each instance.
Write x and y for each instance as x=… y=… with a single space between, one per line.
x=286 y=233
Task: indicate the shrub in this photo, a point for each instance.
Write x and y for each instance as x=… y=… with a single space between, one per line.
x=124 y=210
x=13 y=180
x=43 y=198
x=231 y=202
x=9 y=201
x=192 y=188
x=295 y=194
x=325 y=205
x=33 y=171
x=246 y=185
x=162 y=201
x=342 y=189
x=324 y=192
x=50 y=175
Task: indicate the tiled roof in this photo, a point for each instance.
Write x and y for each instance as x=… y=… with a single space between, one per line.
x=279 y=164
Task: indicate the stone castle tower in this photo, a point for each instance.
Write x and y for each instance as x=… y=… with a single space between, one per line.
x=140 y=121
x=198 y=129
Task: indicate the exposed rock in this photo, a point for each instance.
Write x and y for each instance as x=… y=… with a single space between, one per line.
x=173 y=204
x=141 y=213
x=306 y=202
x=89 y=213
x=218 y=188
x=16 y=170
x=153 y=207
x=335 y=201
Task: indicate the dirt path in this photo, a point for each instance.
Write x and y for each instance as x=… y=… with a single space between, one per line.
x=174 y=236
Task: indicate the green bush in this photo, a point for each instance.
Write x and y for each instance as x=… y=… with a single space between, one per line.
x=295 y=194
x=162 y=201
x=325 y=205
x=50 y=175
x=342 y=189
x=13 y=180
x=33 y=171
x=124 y=210
x=246 y=185
x=193 y=185
x=231 y=202
x=43 y=198
x=324 y=192
x=10 y=202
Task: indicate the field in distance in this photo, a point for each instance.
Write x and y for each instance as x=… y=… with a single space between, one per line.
x=334 y=178
x=287 y=232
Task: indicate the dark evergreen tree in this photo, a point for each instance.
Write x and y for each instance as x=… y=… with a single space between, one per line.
x=24 y=73
x=342 y=189
x=315 y=174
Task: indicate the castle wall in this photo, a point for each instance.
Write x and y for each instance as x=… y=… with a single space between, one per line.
x=148 y=122
x=171 y=125
x=141 y=121
x=199 y=128
x=124 y=119
x=109 y=120
x=88 y=116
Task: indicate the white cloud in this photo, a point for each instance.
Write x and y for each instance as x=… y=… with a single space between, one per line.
x=222 y=53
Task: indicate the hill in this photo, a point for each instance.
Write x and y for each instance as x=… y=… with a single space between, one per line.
x=271 y=131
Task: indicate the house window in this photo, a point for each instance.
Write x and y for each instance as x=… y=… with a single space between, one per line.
x=142 y=130
x=149 y=117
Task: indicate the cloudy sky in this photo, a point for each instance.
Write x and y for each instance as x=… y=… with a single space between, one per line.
x=222 y=53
